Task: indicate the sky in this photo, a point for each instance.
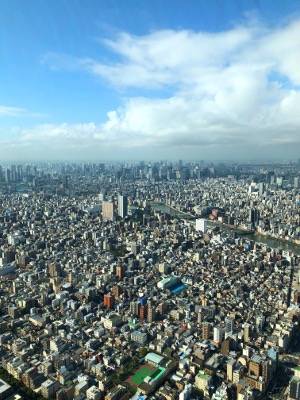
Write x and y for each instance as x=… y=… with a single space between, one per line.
x=149 y=80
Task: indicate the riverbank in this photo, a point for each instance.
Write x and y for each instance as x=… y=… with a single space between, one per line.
x=255 y=236
x=256 y=233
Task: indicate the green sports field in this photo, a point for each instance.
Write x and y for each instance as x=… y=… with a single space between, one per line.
x=141 y=374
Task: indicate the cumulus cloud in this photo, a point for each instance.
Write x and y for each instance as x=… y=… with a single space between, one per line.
x=237 y=90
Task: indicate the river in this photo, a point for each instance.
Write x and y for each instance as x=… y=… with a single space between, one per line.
x=271 y=242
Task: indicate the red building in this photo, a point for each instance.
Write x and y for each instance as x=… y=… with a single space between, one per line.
x=109 y=300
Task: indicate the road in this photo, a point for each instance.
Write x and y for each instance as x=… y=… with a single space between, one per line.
x=279 y=386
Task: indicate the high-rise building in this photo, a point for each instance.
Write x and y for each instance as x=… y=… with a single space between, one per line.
x=108 y=210
x=54 y=269
x=247 y=328
x=200 y=315
x=201 y=225
x=120 y=271
x=261 y=188
x=162 y=307
x=135 y=307
x=259 y=366
x=143 y=311
x=122 y=206
x=206 y=329
x=109 y=300
x=230 y=368
x=229 y=325
x=151 y=314
x=260 y=321
x=218 y=334
x=186 y=393
x=135 y=248
x=117 y=291
x=226 y=346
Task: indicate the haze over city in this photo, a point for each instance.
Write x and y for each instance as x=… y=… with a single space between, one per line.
x=149 y=80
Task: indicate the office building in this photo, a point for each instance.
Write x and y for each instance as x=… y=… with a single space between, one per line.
x=218 y=334
x=49 y=388
x=230 y=368
x=247 y=330
x=143 y=312
x=120 y=271
x=206 y=329
x=108 y=211
x=151 y=313
x=229 y=325
x=203 y=382
x=260 y=321
x=122 y=206
x=201 y=225
x=109 y=300
x=93 y=393
x=139 y=337
x=135 y=248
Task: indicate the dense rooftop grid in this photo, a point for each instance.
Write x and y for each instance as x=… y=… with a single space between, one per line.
x=81 y=285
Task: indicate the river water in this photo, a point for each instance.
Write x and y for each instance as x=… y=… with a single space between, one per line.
x=273 y=243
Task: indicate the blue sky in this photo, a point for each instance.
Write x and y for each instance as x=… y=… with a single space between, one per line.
x=133 y=80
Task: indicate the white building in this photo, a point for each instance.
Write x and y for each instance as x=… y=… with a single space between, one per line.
x=112 y=320
x=229 y=326
x=221 y=393
x=122 y=206
x=93 y=393
x=260 y=321
x=186 y=393
x=218 y=334
x=201 y=225
x=202 y=382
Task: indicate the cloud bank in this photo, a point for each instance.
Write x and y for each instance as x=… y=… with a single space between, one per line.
x=232 y=94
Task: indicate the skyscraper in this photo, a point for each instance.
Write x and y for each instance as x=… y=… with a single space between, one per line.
x=122 y=206
x=108 y=210
x=229 y=325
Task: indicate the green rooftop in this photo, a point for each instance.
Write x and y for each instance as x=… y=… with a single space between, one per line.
x=204 y=376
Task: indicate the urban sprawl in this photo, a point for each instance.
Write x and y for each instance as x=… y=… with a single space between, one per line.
x=150 y=280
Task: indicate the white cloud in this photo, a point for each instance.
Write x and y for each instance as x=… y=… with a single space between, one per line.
x=6 y=111
x=11 y=111
x=234 y=91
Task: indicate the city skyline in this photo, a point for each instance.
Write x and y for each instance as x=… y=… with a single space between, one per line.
x=102 y=80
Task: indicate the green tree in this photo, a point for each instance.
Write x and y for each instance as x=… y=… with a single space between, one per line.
x=143 y=352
